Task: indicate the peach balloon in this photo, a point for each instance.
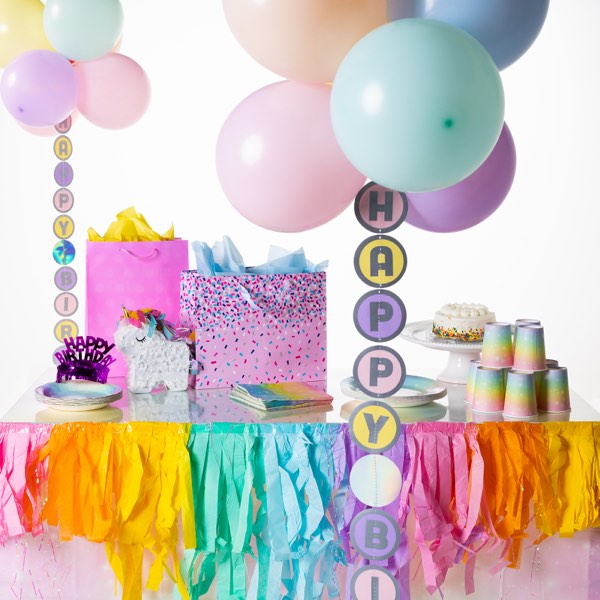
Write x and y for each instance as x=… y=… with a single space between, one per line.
x=303 y=40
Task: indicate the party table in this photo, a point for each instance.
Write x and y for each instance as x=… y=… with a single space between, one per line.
x=187 y=440
x=214 y=405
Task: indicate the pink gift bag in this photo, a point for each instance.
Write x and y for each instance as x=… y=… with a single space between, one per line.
x=134 y=275
x=256 y=328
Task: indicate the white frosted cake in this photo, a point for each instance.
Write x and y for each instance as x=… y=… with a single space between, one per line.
x=463 y=322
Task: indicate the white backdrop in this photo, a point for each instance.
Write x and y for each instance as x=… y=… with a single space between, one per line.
x=535 y=257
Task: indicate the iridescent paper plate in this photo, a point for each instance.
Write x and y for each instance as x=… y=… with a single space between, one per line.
x=78 y=395
x=415 y=391
x=110 y=414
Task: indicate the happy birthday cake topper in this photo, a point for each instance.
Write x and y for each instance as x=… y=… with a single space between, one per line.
x=85 y=358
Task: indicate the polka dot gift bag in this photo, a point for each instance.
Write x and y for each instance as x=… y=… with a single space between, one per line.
x=131 y=265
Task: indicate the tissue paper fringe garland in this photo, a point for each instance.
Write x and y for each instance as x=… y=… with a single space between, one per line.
x=22 y=475
x=124 y=485
x=280 y=494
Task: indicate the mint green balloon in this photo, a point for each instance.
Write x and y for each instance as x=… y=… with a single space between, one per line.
x=83 y=29
x=417 y=105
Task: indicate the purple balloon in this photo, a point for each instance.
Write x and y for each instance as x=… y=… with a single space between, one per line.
x=39 y=88
x=470 y=201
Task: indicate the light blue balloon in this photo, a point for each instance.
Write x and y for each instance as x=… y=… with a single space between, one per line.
x=83 y=29
x=506 y=28
x=417 y=105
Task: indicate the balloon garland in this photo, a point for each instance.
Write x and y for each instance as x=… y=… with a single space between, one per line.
x=416 y=104
x=60 y=56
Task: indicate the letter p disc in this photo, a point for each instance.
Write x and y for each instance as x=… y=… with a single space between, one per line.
x=379 y=371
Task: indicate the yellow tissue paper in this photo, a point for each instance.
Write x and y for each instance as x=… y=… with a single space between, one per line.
x=130 y=226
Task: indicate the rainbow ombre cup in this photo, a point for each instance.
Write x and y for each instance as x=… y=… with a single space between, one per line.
x=519 y=399
x=497 y=348
x=520 y=322
x=530 y=351
x=470 y=389
x=488 y=396
x=550 y=362
x=554 y=391
x=538 y=377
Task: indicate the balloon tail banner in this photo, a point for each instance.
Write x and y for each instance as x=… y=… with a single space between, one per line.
x=292 y=498
x=132 y=483
x=520 y=482
x=446 y=484
x=295 y=486
x=291 y=474
x=22 y=477
x=574 y=473
x=223 y=464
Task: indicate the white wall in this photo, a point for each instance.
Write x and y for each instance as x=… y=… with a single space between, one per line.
x=536 y=257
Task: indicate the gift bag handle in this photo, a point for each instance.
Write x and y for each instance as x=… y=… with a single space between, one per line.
x=149 y=257
x=253 y=299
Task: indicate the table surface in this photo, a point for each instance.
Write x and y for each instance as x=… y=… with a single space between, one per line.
x=205 y=406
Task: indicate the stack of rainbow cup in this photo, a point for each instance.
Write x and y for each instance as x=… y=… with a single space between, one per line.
x=513 y=376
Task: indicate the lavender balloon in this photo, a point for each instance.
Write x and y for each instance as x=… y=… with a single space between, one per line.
x=39 y=88
x=470 y=201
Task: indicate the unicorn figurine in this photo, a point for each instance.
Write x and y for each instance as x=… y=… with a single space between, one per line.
x=154 y=354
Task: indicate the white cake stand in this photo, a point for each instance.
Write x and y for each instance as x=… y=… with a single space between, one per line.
x=460 y=353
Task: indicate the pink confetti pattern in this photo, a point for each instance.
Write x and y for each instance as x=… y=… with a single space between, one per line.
x=256 y=328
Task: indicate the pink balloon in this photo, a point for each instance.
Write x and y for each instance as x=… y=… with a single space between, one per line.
x=278 y=161
x=114 y=91
x=470 y=201
x=39 y=88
